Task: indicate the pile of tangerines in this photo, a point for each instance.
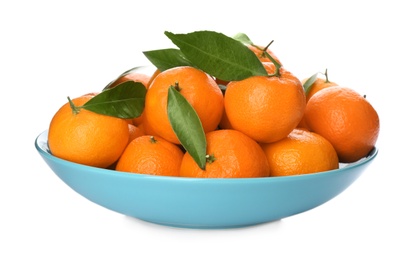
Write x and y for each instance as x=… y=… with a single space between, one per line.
x=258 y=126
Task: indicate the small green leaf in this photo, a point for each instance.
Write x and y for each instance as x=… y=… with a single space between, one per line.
x=126 y=100
x=187 y=126
x=167 y=58
x=243 y=38
x=218 y=55
x=309 y=82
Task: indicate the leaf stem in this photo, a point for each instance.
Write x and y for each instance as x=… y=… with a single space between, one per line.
x=276 y=63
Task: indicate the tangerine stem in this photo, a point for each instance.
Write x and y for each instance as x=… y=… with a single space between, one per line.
x=210 y=158
x=75 y=109
x=327 y=76
x=266 y=47
x=176 y=86
x=153 y=140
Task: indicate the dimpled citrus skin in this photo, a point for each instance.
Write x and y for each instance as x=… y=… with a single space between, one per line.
x=235 y=156
x=199 y=89
x=301 y=152
x=151 y=155
x=265 y=108
x=346 y=119
x=86 y=137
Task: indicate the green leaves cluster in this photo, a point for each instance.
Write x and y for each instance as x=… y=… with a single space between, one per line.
x=223 y=57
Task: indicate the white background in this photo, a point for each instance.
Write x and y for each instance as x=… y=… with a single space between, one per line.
x=53 y=49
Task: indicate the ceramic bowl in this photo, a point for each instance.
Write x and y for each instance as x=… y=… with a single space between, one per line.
x=203 y=203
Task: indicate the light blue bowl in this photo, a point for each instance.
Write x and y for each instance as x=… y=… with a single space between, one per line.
x=202 y=203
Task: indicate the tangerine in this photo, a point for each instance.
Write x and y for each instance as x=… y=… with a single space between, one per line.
x=265 y=108
x=87 y=137
x=151 y=155
x=346 y=119
x=230 y=154
x=301 y=152
x=318 y=85
x=199 y=89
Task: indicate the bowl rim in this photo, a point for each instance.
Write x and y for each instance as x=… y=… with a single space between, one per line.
x=41 y=147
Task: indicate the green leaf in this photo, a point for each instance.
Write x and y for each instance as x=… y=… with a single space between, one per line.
x=167 y=58
x=218 y=55
x=187 y=126
x=243 y=38
x=126 y=100
x=309 y=82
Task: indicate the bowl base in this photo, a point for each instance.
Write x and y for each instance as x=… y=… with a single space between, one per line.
x=196 y=226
